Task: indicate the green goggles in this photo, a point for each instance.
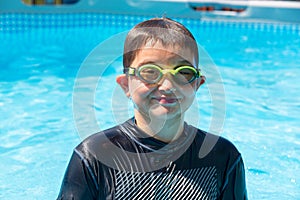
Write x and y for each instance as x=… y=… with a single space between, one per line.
x=151 y=73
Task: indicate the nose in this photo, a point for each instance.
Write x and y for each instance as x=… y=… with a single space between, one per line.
x=166 y=84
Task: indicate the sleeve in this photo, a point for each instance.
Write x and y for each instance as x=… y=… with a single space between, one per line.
x=235 y=182
x=79 y=181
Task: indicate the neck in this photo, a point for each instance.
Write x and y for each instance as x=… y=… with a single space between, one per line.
x=165 y=130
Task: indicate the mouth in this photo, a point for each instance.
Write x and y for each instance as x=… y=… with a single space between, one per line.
x=166 y=100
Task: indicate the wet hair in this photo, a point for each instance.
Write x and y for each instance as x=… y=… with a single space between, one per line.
x=157 y=30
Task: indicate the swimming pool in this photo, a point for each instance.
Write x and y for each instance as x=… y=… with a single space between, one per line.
x=40 y=56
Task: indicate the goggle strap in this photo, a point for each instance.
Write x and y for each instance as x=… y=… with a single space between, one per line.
x=129 y=71
x=198 y=73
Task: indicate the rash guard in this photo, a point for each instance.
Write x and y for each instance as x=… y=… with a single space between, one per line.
x=124 y=163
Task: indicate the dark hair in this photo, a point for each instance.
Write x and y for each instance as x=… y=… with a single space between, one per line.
x=163 y=30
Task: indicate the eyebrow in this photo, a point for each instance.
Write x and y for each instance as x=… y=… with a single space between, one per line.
x=178 y=64
x=147 y=62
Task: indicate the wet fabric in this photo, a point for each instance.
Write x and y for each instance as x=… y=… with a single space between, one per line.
x=123 y=163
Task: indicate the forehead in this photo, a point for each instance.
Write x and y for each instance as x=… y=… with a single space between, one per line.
x=165 y=54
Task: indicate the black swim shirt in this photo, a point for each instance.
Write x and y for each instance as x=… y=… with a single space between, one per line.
x=124 y=163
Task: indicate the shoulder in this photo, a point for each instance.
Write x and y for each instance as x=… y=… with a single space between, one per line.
x=110 y=140
x=103 y=141
x=225 y=145
x=215 y=150
x=216 y=145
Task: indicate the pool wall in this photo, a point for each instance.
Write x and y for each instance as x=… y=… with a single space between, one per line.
x=283 y=11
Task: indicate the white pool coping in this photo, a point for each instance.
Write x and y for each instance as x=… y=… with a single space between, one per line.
x=269 y=11
x=267 y=4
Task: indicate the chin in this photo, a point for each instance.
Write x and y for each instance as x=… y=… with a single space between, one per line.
x=165 y=113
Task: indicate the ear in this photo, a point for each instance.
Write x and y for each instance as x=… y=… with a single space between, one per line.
x=200 y=81
x=122 y=80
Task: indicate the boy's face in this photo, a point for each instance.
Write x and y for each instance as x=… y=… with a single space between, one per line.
x=166 y=98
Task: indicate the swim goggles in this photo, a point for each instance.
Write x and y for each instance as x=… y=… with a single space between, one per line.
x=151 y=73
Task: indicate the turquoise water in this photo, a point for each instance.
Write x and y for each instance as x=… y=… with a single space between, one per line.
x=258 y=63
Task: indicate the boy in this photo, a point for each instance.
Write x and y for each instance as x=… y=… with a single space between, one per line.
x=155 y=155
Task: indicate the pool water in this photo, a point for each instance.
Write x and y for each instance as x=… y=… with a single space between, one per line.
x=40 y=57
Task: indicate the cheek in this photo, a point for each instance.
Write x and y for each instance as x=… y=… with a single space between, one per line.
x=189 y=98
x=138 y=90
x=189 y=91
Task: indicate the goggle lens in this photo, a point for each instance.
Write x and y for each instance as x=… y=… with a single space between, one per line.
x=150 y=74
x=186 y=75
